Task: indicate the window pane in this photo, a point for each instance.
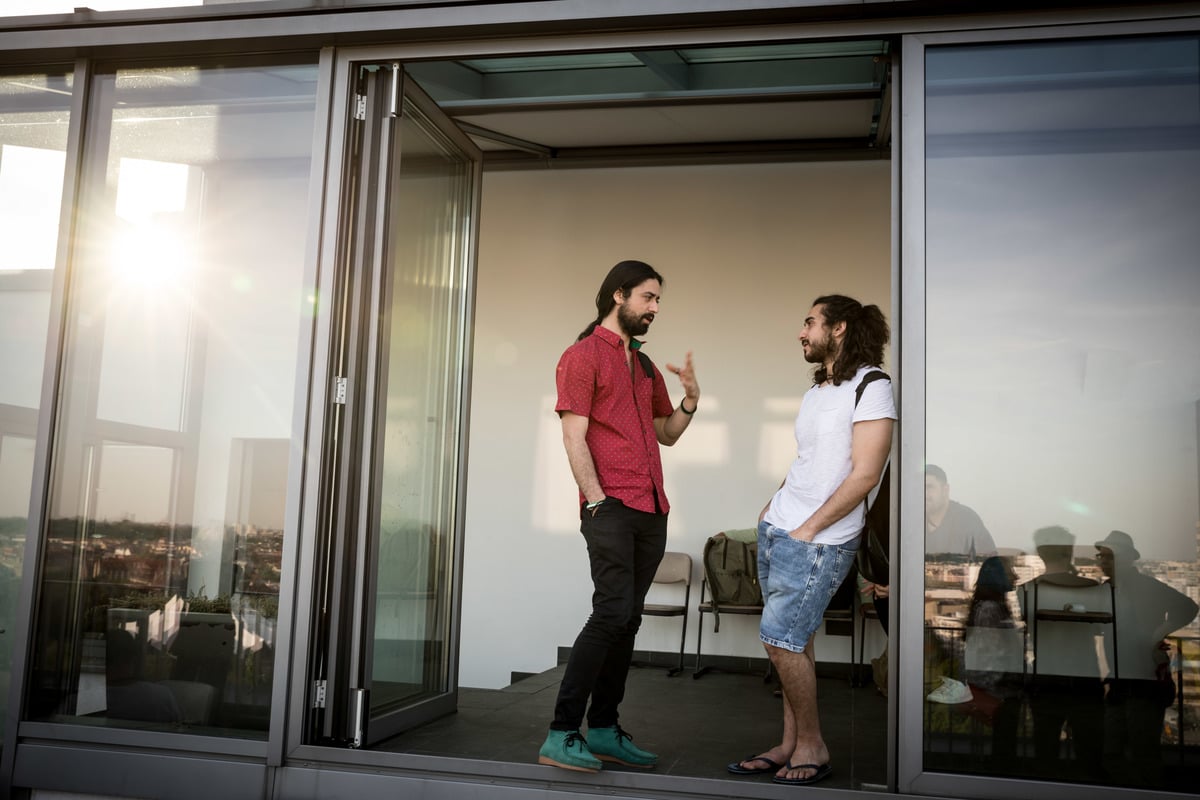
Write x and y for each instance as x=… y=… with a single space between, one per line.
x=1063 y=329
x=34 y=115
x=161 y=575
x=420 y=431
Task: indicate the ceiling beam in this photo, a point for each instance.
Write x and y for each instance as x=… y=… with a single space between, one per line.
x=668 y=66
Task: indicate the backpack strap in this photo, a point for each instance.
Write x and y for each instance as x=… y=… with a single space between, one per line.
x=870 y=377
x=647 y=364
x=872 y=554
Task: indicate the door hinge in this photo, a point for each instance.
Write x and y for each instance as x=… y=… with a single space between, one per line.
x=319 y=694
x=360 y=711
x=360 y=106
x=339 y=391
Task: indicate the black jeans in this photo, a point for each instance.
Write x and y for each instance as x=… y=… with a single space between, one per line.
x=625 y=547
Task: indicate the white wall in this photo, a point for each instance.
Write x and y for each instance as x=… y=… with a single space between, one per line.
x=743 y=251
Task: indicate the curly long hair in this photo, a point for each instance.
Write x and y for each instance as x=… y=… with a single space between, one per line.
x=867 y=333
x=626 y=276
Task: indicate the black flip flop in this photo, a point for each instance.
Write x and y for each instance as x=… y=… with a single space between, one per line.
x=736 y=767
x=822 y=772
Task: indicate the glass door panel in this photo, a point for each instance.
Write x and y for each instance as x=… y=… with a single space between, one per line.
x=418 y=431
x=392 y=486
x=34 y=118
x=1063 y=371
x=160 y=574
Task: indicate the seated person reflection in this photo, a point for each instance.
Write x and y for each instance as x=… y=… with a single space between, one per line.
x=950 y=526
x=951 y=529
x=1065 y=693
x=129 y=696
x=1136 y=697
x=995 y=651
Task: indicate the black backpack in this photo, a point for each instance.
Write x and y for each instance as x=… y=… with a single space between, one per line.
x=872 y=556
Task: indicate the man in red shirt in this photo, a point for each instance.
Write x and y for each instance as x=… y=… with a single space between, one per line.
x=615 y=412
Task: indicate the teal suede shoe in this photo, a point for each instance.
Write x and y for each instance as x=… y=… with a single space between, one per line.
x=614 y=744
x=569 y=750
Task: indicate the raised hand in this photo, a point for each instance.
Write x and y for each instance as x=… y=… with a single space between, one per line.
x=687 y=377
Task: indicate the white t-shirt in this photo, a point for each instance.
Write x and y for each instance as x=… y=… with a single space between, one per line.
x=823 y=432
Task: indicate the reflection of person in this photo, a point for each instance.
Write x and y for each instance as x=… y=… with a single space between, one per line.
x=808 y=532
x=994 y=652
x=951 y=527
x=1136 y=697
x=612 y=428
x=1066 y=688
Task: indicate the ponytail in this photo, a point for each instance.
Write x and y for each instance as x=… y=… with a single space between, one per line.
x=867 y=334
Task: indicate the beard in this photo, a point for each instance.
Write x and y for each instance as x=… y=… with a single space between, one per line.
x=632 y=324
x=817 y=352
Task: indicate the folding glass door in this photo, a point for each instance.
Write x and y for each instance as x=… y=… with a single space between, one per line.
x=386 y=599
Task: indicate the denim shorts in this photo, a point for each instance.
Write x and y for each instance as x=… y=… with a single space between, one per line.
x=798 y=580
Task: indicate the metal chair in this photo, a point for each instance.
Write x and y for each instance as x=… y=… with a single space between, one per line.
x=675 y=568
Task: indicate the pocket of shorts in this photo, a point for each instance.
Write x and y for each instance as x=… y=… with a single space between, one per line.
x=802 y=542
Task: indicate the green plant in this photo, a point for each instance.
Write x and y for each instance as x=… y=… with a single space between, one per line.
x=142 y=600
x=201 y=604
x=267 y=605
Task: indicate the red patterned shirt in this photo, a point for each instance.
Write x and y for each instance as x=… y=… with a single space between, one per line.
x=595 y=381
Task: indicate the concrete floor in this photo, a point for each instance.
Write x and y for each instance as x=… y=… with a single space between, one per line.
x=696 y=726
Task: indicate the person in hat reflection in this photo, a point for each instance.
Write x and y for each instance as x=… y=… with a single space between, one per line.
x=1139 y=686
x=1065 y=692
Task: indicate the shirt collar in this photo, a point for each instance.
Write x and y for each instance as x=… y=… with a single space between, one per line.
x=614 y=339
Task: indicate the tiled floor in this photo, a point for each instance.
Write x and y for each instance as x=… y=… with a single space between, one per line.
x=696 y=726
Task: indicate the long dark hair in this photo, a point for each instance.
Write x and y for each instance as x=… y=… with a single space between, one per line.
x=993 y=585
x=866 y=335
x=626 y=276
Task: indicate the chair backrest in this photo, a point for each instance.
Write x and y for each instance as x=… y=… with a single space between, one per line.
x=674 y=568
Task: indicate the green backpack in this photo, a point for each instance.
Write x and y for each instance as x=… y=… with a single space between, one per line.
x=731 y=571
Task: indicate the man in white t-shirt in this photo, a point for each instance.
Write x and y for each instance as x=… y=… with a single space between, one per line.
x=809 y=531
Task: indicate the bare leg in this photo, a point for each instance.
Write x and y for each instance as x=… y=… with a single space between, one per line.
x=781 y=752
x=801 y=722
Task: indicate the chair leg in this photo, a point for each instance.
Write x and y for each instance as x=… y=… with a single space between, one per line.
x=682 y=643
x=699 y=637
x=862 y=635
x=853 y=670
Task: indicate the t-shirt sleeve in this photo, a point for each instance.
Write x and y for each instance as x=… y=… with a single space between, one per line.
x=877 y=402
x=576 y=382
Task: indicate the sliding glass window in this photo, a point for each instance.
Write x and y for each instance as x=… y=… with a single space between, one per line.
x=159 y=586
x=34 y=115
x=1063 y=395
